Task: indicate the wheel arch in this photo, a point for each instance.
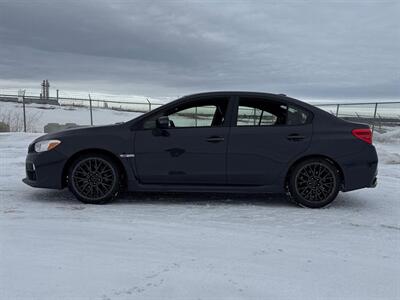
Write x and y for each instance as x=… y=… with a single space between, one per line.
x=107 y=153
x=316 y=156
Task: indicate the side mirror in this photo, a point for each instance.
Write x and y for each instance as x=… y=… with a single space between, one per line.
x=163 y=122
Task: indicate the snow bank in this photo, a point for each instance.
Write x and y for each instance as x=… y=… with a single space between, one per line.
x=388 y=155
x=388 y=146
x=391 y=135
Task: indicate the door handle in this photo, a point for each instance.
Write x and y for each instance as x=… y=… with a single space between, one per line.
x=215 y=139
x=295 y=137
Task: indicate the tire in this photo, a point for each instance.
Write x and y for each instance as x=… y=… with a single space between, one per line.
x=314 y=183
x=94 y=179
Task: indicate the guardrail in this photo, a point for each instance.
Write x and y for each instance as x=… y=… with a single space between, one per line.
x=376 y=114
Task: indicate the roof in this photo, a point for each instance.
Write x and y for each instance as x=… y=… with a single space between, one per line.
x=236 y=93
x=281 y=97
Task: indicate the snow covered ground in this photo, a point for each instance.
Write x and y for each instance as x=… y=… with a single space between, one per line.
x=183 y=246
x=38 y=115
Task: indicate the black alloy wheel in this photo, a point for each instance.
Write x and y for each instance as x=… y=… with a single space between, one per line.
x=314 y=183
x=94 y=179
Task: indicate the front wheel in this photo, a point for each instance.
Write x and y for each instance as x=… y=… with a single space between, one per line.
x=94 y=179
x=314 y=183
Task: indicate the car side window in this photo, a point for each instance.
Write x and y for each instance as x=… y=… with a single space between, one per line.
x=262 y=112
x=199 y=116
x=204 y=113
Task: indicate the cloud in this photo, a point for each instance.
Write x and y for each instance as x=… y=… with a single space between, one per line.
x=305 y=49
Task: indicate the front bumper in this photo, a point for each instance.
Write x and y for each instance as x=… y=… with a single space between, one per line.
x=45 y=169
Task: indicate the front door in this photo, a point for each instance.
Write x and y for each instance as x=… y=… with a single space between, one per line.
x=191 y=150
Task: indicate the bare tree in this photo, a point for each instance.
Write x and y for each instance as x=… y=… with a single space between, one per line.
x=15 y=120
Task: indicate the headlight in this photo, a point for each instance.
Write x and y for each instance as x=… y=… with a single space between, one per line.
x=46 y=145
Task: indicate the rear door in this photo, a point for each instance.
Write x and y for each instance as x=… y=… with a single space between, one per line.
x=265 y=137
x=192 y=150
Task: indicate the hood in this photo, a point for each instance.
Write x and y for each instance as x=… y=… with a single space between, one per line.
x=78 y=131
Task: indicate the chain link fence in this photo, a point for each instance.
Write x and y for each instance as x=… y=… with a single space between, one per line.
x=94 y=111
x=376 y=114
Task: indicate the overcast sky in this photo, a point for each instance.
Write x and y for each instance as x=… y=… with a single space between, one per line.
x=311 y=50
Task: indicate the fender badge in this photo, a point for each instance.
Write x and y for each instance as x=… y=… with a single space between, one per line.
x=127 y=155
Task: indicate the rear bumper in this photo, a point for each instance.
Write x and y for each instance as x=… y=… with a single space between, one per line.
x=360 y=170
x=45 y=170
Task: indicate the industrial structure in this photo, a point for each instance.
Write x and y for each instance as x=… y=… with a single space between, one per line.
x=45 y=90
x=43 y=98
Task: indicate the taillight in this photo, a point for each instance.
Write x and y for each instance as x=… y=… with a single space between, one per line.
x=364 y=134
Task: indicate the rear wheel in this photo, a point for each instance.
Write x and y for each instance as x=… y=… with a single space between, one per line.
x=94 y=179
x=314 y=183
